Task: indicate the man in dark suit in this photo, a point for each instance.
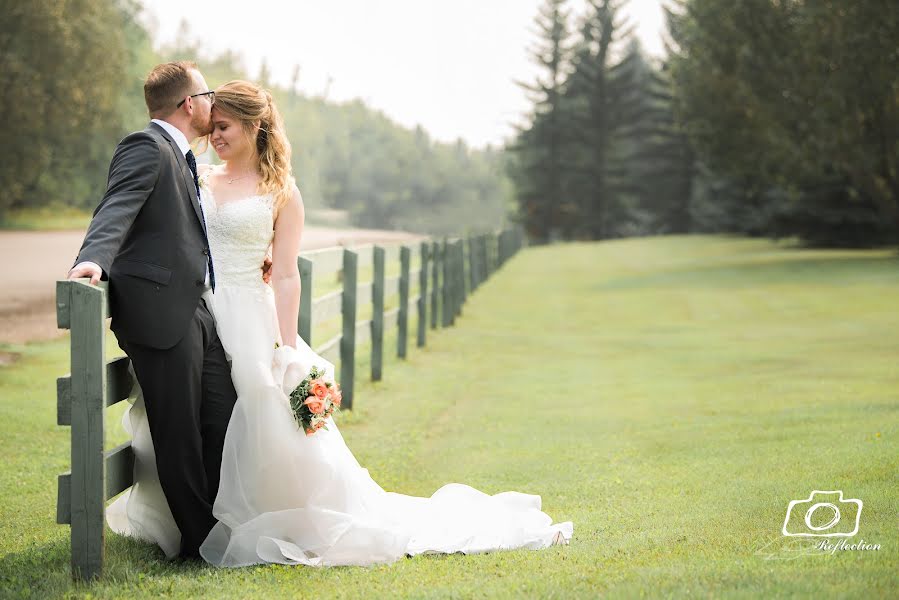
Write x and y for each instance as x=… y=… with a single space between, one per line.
x=148 y=238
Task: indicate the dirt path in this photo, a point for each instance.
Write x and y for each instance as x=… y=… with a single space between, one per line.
x=36 y=259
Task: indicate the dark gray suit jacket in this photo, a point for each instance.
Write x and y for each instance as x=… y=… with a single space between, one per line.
x=147 y=235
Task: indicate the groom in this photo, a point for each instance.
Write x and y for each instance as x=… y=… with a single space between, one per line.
x=148 y=238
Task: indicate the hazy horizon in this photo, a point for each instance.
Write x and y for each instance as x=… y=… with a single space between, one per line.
x=427 y=63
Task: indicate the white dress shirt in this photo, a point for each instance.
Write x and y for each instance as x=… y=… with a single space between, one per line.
x=184 y=146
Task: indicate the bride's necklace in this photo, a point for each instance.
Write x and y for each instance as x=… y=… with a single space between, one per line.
x=233 y=179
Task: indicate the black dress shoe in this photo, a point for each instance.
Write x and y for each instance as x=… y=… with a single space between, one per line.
x=190 y=555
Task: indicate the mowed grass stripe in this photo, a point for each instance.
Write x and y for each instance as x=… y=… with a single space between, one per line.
x=669 y=395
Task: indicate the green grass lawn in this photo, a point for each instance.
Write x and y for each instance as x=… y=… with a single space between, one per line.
x=668 y=395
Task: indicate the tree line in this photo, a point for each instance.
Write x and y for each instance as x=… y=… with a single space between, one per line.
x=72 y=74
x=775 y=118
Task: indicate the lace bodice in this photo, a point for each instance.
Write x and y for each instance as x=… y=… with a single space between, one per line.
x=240 y=232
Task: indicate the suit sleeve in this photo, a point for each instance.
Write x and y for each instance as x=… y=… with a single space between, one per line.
x=133 y=173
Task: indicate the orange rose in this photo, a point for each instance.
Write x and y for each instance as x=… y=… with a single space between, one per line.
x=315 y=405
x=319 y=425
x=336 y=397
x=318 y=388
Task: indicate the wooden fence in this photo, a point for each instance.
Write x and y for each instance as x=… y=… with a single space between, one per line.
x=445 y=273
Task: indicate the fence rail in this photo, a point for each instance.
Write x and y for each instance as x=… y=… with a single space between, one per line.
x=446 y=273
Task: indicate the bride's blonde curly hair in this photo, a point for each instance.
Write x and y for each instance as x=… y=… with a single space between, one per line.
x=252 y=106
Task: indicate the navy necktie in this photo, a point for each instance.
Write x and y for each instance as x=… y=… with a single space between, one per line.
x=192 y=163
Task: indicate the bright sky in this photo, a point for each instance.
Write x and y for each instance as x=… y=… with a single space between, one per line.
x=447 y=65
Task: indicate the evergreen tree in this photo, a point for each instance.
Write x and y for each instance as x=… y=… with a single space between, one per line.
x=596 y=96
x=604 y=138
x=667 y=160
x=629 y=176
x=538 y=170
x=797 y=103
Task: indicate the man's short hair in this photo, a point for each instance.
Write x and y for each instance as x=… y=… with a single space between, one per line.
x=166 y=85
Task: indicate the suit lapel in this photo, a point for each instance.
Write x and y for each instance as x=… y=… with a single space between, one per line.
x=187 y=177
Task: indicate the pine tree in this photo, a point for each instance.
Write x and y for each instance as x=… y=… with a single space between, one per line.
x=594 y=95
x=667 y=162
x=796 y=103
x=540 y=148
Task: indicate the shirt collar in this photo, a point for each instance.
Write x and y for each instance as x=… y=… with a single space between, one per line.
x=176 y=134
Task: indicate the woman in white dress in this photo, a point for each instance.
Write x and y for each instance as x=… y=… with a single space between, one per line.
x=287 y=497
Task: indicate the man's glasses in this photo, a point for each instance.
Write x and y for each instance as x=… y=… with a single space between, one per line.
x=211 y=95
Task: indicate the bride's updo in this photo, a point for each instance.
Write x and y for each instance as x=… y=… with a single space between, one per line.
x=252 y=105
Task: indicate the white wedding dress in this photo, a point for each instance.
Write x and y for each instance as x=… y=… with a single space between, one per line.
x=286 y=497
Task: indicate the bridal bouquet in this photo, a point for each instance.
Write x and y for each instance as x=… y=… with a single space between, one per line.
x=314 y=400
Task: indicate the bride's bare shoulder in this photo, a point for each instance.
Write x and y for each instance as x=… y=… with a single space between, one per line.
x=204 y=169
x=295 y=203
x=292 y=210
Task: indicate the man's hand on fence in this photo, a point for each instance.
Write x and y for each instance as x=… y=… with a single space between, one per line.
x=267 y=267
x=87 y=269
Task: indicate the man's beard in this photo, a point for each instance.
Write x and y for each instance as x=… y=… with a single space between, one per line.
x=202 y=127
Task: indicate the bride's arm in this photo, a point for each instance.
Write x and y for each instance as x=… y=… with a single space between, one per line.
x=285 y=273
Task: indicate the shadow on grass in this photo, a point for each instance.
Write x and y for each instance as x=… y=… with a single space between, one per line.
x=26 y=573
x=44 y=570
x=136 y=569
x=825 y=270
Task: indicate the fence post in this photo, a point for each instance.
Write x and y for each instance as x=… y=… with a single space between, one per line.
x=455 y=294
x=475 y=266
x=446 y=286
x=423 y=295
x=304 y=322
x=88 y=380
x=435 y=268
x=377 y=316
x=460 y=276
x=403 y=316
x=453 y=279
x=464 y=290
x=482 y=273
x=491 y=253
x=505 y=245
x=485 y=267
x=472 y=269
x=482 y=266
x=348 y=338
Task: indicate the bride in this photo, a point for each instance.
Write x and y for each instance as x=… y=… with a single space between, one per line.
x=286 y=497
